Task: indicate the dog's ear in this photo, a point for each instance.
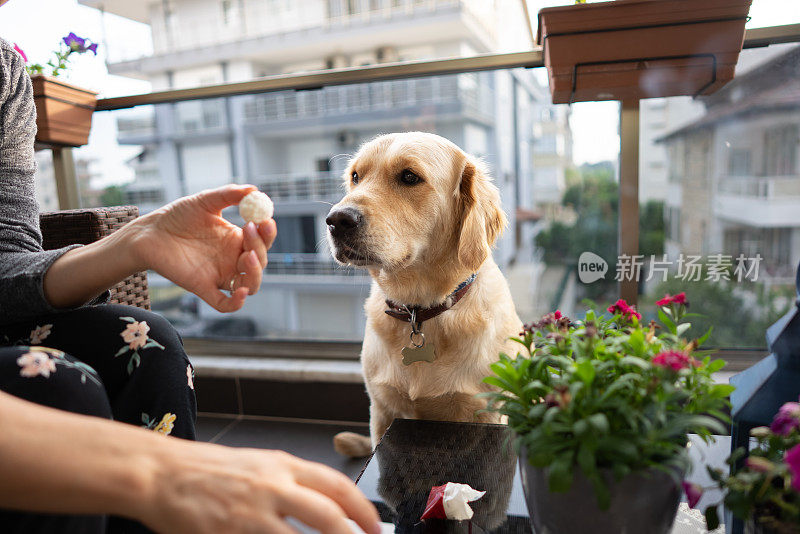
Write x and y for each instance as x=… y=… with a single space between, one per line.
x=482 y=219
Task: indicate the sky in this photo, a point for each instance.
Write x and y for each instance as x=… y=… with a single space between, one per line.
x=38 y=25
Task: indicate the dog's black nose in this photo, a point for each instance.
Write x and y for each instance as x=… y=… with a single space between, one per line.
x=342 y=221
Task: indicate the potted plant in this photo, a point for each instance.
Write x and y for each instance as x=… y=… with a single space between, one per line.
x=63 y=111
x=602 y=409
x=765 y=491
x=632 y=49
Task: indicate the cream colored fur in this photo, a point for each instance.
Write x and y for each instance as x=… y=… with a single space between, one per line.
x=419 y=242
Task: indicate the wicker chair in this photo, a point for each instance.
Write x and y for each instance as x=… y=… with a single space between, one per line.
x=84 y=226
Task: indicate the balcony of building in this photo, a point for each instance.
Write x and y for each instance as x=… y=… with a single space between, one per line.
x=137 y=129
x=301 y=33
x=302 y=187
x=454 y=97
x=761 y=202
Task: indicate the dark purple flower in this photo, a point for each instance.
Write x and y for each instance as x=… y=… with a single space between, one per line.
x=693 y=493
x=75 y=43
x=792 y=457
x=787 y=419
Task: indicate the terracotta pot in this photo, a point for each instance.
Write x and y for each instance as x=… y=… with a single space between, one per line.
x=640 y=502
x=63 y=112
x=632 y=49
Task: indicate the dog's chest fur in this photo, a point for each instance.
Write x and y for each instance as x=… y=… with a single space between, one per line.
x=467 y=339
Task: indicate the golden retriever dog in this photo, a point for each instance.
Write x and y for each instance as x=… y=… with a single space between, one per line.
x=422 y=216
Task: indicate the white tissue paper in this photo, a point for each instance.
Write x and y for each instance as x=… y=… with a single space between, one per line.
x=456 y=497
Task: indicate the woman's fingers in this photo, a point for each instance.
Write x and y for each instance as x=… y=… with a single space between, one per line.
x=268 y=230
x=250 y=271
x=254 y=242
x=215 y=200
x=341 y=490
x=222 y=302
x=314 y=510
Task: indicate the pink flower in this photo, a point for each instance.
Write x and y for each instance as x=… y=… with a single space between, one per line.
x=693 y=493
x=35 y=364
x=758 y=464
x=792 y=457
x=674 y=359
x=623 y=308
x=40 y=333
x=680 y=298
x=787 y=419
x=135 y=334
x=20 y=52
x=189 y=377
x=557 y=315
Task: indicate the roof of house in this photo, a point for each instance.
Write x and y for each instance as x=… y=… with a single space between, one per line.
x=784 y=94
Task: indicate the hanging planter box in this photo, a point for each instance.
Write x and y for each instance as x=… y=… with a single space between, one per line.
x=633 y=49
x=63 y=112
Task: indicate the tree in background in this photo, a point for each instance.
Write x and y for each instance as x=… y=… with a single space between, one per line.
x=112 y=196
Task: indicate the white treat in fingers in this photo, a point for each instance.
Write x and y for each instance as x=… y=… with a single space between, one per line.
x=256 y=207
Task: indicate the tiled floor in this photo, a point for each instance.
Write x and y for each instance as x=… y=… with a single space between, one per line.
x=308 y=440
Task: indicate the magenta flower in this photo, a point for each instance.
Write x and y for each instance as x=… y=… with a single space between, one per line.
x=623 y=308
x=787 y=419
x=93 y=48
x=673 y=359
x=693 y=493
x=680 y=298
x=792 y=457
x=20 y=52
x=557 y=315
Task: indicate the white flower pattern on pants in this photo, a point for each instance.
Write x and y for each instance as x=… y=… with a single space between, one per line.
x=135 y=335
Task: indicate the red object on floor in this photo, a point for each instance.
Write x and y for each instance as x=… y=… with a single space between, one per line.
x=434 y=508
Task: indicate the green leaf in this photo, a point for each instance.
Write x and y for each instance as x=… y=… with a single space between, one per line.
x=669 y=323
x=600 y=422
x=128 y=319
x=633 y=360
x=585 y=371
x=712 y=519
x=560 y=478
x=121 y=351
x=702 y=339
x=715 y=366
x=580 y=427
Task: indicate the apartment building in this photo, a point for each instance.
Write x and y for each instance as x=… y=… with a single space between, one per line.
x=294 y=144
x=734 y=173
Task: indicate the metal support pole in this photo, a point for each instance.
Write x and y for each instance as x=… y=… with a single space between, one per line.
x=66 y=179
x=628 y=232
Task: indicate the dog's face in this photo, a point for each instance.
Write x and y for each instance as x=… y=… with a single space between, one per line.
x=412 y=197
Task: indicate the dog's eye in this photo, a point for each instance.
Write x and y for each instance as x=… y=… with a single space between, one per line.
x=355 y=177
x=409 y=178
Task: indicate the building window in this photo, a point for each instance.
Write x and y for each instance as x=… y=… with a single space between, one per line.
x=298 y=235
x=780 y=150
x=739 y=162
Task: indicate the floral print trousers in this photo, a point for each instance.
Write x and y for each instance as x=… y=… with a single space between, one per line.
x=112 y=361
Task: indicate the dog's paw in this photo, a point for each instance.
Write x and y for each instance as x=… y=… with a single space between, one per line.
x=352 y=445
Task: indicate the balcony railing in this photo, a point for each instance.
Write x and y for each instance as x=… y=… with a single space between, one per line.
x=308 y=264
x=128 y=127
x=302 y=186
x=465 y=89
x=779 y=187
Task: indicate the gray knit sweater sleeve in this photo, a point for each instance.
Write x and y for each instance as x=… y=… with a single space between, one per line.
x=22 y=260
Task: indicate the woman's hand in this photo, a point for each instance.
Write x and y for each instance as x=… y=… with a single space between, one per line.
x=191 y=244
x=212 y=489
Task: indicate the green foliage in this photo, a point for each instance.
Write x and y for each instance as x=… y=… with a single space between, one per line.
x=761 y=489
x=589 y=395
x=651 y=229
x=739 y=312
x=112 y=196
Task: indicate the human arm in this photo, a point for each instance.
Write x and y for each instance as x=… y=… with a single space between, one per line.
x=171 y=485
x=187 y=241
